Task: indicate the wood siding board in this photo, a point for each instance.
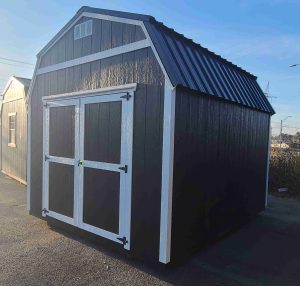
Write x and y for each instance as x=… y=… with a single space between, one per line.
x=86 y=76
x=117 y=34
x=128 y=61
x=104 y=72
x=219 y=169
x=61 y=50
x=115 y=70
x=37 y=147
x=69 y=46
x=96 y=36
x=146 y=218
x=86 y=46
x=105 y=43
x=139 y=34
x=95 y=73
x=69 y=80
x=77 y=80
x=128 y=34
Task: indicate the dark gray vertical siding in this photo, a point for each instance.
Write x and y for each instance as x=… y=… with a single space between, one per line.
x=14 y=158
x=106 y=35
x=220 y=157
x=136 y=67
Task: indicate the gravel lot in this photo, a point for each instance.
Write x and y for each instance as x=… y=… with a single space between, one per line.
x=264 y=252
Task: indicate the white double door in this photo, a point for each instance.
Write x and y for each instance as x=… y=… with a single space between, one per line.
x=87 y=163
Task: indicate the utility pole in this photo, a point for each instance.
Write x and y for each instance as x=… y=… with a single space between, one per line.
x=281 y=121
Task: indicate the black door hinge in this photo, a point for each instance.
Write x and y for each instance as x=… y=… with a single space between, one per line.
x=127 y=96
x=45 y=211
x=123 y=240
x=125 y=168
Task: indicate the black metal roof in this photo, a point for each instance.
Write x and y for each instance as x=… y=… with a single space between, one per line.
x=192 y=66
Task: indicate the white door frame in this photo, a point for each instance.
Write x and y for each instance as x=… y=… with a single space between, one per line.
x=67 y=161
x=127 y=99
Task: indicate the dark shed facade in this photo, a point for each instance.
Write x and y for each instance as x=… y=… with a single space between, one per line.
x=144 y=138
x=14 y=128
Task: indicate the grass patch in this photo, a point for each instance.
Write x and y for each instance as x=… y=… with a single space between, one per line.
x=285 y=172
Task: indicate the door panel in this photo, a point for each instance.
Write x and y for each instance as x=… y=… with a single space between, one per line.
x=62 y=131
x=61 y=188
x=101 y=199
x=102 y=140
x=87 y=163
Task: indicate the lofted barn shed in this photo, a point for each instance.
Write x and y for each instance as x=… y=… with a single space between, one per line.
x=143 y=139
x=14 y=128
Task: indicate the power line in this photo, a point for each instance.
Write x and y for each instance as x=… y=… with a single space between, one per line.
x=16 y=61
x=15 y=65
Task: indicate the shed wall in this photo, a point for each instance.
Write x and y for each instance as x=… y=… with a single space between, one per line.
x=135 y=67
x=14 y=158
x=220 y=161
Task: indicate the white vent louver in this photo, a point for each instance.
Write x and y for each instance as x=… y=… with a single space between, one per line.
x=83 y=30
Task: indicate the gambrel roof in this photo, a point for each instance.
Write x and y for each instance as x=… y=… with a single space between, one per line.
x=192 y=66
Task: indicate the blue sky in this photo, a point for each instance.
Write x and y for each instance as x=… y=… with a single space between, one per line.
x=262 y=36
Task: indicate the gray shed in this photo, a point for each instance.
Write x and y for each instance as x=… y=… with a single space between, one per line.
x=143 y=139
x=14 y=128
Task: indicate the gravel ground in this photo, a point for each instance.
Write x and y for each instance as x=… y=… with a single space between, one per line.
x=264 y=252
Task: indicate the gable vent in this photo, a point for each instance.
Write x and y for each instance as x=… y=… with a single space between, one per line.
x=83 y=30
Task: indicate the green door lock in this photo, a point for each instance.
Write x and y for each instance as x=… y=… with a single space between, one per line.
x=80 y=162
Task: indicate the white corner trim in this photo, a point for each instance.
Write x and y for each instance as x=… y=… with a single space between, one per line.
x=268 y=163
x=29 y=134
x=167 y=174
x=92 y=92
x=97 y=56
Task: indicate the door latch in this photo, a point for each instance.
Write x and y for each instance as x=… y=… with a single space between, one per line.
x=80 y=162
x=125 y=168
x=123 y=240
